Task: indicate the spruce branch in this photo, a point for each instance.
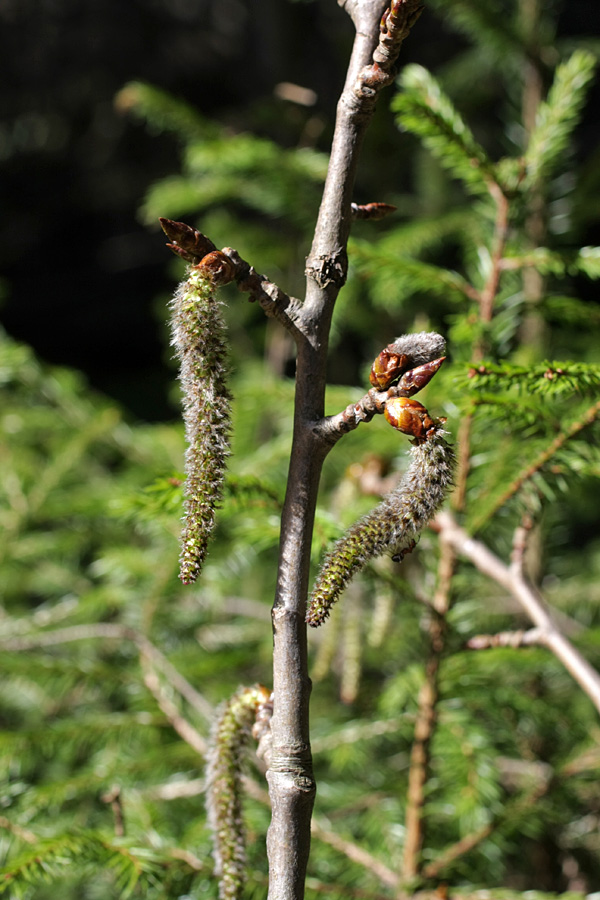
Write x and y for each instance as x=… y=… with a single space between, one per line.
x=179 y=723
x=546 y=378
x=427 y=716
x=115 y=631
x=424 y=109
x=526 y=474
x=394 y=525
x=558 y=116
x=514 y=639
x=551 y=262
x=528 y=598
x=224 y=791
x=355 y=853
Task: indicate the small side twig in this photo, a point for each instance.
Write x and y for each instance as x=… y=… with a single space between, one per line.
x=193 y=246
x=22 y=833
x=395 y=26
x=332 y=428
x=355 y=853
x=455 y=851
x=528 y=598
x=179 y=724
x=274 y=302
x=114 y=798
x=373 y=211
x=514 y=639
x=114 y=631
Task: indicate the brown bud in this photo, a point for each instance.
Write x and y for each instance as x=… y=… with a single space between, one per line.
x=185 y=241
x=412 y=381
x=407 y=352
x=371 y=210
x=411 y=417
x=387 y=368
x=217 y=267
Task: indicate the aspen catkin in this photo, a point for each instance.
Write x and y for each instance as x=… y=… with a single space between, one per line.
x=393 y=526
x=223 y=785
x=198 y=334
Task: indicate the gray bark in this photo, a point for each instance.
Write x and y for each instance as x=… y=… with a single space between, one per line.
x=291 y=783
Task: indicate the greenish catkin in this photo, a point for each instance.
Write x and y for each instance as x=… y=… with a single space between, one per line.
x=198 y=334
x=392 y=527
x=223 y=787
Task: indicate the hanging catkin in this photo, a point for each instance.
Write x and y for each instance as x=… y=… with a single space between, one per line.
x=198 y=334
x=394 y=525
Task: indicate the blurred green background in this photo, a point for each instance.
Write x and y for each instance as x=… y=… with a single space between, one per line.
x=115 y=113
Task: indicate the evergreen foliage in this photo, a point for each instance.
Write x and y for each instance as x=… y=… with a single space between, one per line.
x=111 y=670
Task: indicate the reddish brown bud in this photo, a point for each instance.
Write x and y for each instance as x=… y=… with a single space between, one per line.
x=412 y=381
x=411 y=417
x=410 y=351
x=387 y=368
x=217 y=267
x=371 y=210
x=185 y=241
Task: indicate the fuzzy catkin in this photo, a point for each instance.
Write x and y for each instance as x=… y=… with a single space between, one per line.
x=198 y=334
x=223 y=787
x=419 y=348
x=393 y=526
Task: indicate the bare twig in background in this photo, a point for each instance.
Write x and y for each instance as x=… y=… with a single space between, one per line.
x=110 y=631
x=530 y=600
x=427 y=716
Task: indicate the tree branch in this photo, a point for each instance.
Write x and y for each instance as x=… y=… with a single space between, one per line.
x=290 y=777
x=273 y=301
x=197 y=249
x=529 y=599
x=331 y=428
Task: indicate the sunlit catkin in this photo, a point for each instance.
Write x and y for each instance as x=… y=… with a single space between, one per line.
x=199 y=338
x=393 y=526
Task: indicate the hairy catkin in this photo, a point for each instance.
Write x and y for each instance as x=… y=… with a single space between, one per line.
x=223 y=786
x=198 y=334
x=393 y=526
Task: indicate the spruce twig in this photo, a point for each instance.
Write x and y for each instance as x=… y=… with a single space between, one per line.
x=514 y=639
x=427 y=716
x=588 y=418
